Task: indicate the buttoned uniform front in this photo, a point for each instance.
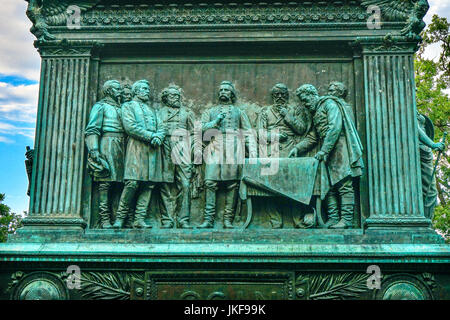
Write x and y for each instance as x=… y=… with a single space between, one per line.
x=293 y=125
x=104 y=133
x=226 y=152
x=224 y=157
x=177 y=164
x=143 y=162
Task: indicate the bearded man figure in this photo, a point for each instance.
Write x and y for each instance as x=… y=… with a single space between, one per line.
x=280 y=126
x=177 y=164
x=340 y=153
x=127 y=94
x=228 y=130
x=143 y=160
x=280 y=123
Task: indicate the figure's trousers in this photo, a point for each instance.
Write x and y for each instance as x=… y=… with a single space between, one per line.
x=144 y=190
x=341 y=201
x=276 y=210
x=230 y=199
x=175 y=193
x=104 y=205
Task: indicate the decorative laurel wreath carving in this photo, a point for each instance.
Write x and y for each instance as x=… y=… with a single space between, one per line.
x=334 y=286
x=107 y=286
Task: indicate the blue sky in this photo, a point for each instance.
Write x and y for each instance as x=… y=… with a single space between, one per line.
x=19 y=76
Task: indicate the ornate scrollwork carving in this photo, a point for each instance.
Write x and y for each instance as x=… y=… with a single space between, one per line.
x=386 y=44
x=225 y=14
x=68 y=48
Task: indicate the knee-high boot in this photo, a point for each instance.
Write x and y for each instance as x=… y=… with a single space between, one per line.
x=228 y=214
x=142 y=204
x=210 y=209
x=347 y=197
x=347 y=210
x=126 y=198
x=333 y=210
x=104 y=212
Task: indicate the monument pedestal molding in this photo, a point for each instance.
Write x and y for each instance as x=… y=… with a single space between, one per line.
x=241 y=63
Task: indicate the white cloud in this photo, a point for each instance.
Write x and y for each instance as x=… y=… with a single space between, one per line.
x=6 y=140
x=18 y=103
x=17 y=53
x=18 y=106
x=442 y=9
x=439 y=7
x=11 y=130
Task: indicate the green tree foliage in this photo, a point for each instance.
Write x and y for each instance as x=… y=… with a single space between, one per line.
x=432 y=80
x=9 y=221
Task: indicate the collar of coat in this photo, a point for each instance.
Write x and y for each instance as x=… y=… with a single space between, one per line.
x=110 y=101
x=172 y=112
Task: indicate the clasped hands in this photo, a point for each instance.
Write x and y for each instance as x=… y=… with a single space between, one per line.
x=158 y=138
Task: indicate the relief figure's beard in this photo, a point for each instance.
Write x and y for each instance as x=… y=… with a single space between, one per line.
x=143 y=97
x=224 y=98
x=174 y=104
x=280 y=102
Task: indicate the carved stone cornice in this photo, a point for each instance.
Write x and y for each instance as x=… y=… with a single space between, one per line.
x=65 y=48
x=52 y=17
x=385 y=45
x=262 y=13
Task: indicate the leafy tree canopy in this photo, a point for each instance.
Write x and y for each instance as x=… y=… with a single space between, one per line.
x=9 y=221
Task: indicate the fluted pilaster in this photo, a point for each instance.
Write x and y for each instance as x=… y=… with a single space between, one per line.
x=395 y=191
x=64 y=98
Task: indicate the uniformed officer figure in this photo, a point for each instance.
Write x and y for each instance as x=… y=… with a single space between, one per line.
x=227 y=129
x=340 y=153
x=143 y=160
x=177 y=164
x=105 y=142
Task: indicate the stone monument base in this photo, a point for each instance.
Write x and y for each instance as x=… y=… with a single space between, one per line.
x=226 y=265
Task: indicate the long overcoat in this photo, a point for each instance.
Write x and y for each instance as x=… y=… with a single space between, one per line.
x=226 y=142
x=143 y=162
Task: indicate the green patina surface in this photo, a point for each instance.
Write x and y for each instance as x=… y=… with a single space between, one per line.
x=346 y=215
